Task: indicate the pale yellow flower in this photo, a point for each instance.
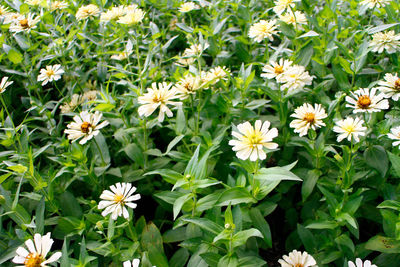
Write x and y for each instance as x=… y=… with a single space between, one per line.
x=87 y=12
x=132 y=17
x=282 y=5
x=390 y=86
x=263 y=30
x=297 y=259
x=58 y=5
x=297 y=18
x=187 y=7
x=388 y=41
x=24 y=23
x=375 y=3
x=4 y=84
x=33 y=2
x=350 y=128
x=395 y=135
x=365 y=100
x=308 y=117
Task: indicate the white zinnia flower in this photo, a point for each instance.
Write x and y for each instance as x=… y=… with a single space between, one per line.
x=188 y=85
x=135 y=263
x=85 y=125
x=216 y=74
x=395 y=135
x=350 y=128
x=375 y=3
x=263 y=29
x=359 y=263
x=390 y=87
x=50 y=73
x=282 y=5
x=125 y=54
x=275 y=69
x=90 y=95
x=58 y=5
x=295 y=78
x=37 y=251
x=33 y=2
x=297 y=259
x=184 y=62
x=158 y=98
x=76 y=100
x=114 y=13
x=24 y=23
x=195 y=50
x=87 y=12
x=4 y=84
x=251 y=141
x=187 y=7
x=388 y=41
x=3 y=11
x=132 y=17
x=116 y=200
x=293 y=19
x=364 y=100
x=308 y=117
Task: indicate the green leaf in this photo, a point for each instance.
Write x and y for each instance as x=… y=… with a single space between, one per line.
x=4 y=177
x=152 y=242
x=228 y=215
x=69 y=206
x=235 y=196
x=134 y=153
x=40 y=216
x=251 y=261
x=395 y=160
x=305 y=54
x=170 y=176
x=241 y=237
x=228 y=261
x=180 y=258
x=344 y=240
x=306 y=237
x=64 y=261
x=390 y=204
x=309 y=183
x=173 y=143
x=381 y=28
x=276 y=174
x=383 y=244
x=376 y=157
x=322 y=225
x=184 y=27
x=219 y=26
x=205 y=224
x=14 y=56
x=287 y=30
x=210 y=258
x=110 y=228
x=179 y=203
x=18 y=168
x=261 y=224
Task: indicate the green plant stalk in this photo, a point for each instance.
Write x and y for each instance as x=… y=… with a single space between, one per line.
x=101 y=154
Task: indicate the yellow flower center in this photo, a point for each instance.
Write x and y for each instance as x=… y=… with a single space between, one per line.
x=49 y=72
x=255 y=139
x=24 y=23
x=85 y=127
x=33 y=260
x=397 y=85
x=278 y=69
x=364 y=101
x=309 y=117
x=119 y=199
x=298 y=265
x=158 y=98
x=349 y=128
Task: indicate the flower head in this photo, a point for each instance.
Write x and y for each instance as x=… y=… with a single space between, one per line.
x=33 y=2
x=4 y=11
x=87 y=12
x=50 y=73
x=295 y=78
x=251 y=140
x=388 y=41
x=188 y=85
x=85 y=125
x=282 y=5
x=359 y=263
x=125 y=54
x=116 y=200
x=275 y=69
x=308 y=117
x=188 y=6
x=216 y=74
x=390 y=87
x=350 y=128
x=114 y=13
x=364 y=100
x=24 y=23
x=297 y=259
x=395 y=135
x=35 y=256
x=76 y=100
x=135 y=263
x=375 y=3
x=4 y=84
x=297 y=18
x=262 y=30
x=158 y=97
x=58 y=5
x=132 y=16
x=195 y=50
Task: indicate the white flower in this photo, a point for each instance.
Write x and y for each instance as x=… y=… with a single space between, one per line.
x=293 y=19
x=3 y=11
x=87 y=12
x=350 y=128
x=133 y=16
x=158 y=98
x=388 y=41
x=33 y=2
x=58 y=5
x=116 y=200
x=125 y=54
x=395 y=135
x=37 y=251
x=114 y=13
x=295 y=78
x=90 y=95
x=390 y=87
x=195 y=50
x=4 y=84
x=375 y=3
x=364 y=100
x=24 y=23
x=308 y=117
x=359 y=263
x=85 y=125
x=275 y=69
x=251 y=141
x=187 y=7
x=135 y=263
x=188 y=85
x=184 y=62
x=11 y=17
x=263 y=29
x=297 y=259
x=76 y=100
x=282 y=5
x=50 y=73
x=216 y=74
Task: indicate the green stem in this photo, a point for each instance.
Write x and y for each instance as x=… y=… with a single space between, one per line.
x=101 y=154
x=145 y=141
